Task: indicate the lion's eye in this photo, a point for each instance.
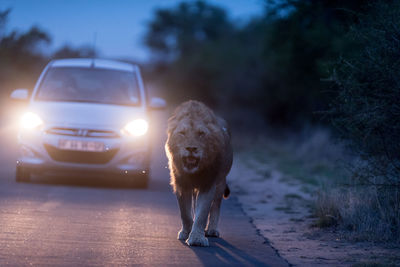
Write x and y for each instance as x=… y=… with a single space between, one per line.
x=182 y=133
x=201 y=134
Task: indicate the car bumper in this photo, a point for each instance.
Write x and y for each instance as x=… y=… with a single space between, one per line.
x=39 y=153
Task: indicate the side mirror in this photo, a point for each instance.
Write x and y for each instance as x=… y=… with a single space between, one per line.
x=157 y=103
x=20 y=94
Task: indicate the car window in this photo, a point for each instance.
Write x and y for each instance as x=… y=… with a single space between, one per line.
x=89 y=85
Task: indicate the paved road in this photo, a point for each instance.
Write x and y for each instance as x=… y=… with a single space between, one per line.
x=75 y=221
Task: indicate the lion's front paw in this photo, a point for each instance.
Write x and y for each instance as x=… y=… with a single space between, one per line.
x=212 y=233
x=183 y=235
x=196 y=239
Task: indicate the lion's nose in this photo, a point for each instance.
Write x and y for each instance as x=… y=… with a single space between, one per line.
x=191 y=149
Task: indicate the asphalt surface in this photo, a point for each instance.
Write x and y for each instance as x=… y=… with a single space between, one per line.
x=82 y=221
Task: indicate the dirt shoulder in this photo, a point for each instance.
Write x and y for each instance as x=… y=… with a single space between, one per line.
x=280 y=208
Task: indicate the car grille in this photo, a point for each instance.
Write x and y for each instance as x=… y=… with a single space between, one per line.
x=83 y=132
x=80 y=156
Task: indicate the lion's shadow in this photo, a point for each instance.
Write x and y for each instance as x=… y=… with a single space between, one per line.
x=222 y=253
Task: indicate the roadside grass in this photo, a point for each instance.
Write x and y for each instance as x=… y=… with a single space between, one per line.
x=309 y=157
x=323 y=168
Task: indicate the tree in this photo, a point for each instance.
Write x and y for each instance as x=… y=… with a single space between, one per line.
x=69 y=52
x=183 y=40
x=20 y=53
x=180 y=31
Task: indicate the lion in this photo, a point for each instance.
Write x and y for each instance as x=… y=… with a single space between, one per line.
x=200 y=157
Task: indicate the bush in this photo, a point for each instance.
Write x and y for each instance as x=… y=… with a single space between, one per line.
x=367 y=109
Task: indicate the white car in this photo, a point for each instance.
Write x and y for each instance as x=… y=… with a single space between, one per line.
x=86 y=116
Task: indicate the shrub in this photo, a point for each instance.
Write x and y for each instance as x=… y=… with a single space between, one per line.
x=367 y=110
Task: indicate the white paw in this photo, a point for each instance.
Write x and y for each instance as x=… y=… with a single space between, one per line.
x=183 y=235
x=212 y=233
x=197 y=239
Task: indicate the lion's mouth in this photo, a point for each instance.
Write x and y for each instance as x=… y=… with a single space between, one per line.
x=190 y=162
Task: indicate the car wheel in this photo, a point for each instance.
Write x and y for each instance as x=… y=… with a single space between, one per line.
x=140 y=180
x=22 y=175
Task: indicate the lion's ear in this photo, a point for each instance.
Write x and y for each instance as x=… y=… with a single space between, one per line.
x=216 y=133
x=173 y=120
x=172 y=124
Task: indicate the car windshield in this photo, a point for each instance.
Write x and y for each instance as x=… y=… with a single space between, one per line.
x=89 y=85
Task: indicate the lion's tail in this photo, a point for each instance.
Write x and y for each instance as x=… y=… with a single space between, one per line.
x=227 y=192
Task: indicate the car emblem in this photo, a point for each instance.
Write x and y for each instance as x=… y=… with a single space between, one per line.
x=82 y=132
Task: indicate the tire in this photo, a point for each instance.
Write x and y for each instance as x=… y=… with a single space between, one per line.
x=139 y=180
x=22 y=175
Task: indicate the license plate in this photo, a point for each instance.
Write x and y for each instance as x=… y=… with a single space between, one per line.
x=78 y=145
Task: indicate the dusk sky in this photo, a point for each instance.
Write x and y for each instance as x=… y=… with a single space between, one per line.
x=120 y=24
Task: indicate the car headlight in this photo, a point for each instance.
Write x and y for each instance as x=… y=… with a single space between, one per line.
x=136 y=128
x=30 y=120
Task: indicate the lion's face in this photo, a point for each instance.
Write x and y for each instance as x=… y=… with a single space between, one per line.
x=192 y=145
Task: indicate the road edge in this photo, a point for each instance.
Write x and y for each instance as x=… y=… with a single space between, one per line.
x=258 y=231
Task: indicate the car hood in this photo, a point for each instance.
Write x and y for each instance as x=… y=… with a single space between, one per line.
x=86 y=114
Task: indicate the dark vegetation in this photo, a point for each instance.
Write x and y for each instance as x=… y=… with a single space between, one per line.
x=367 y=112
x=273 y=64
x=22 y=58
x=303 y=62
